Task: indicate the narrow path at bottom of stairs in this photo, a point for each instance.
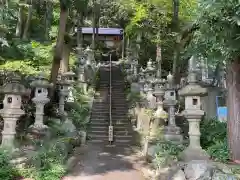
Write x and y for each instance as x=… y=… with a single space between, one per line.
x=96 y=162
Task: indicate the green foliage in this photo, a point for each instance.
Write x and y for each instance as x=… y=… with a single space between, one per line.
x=219 y=151
x=214 y=139
x=133 y=98
x=7 y=171
x=46 y=162
x=218 y=34
x=166 y=153
x=212 y=131
x=78 y=111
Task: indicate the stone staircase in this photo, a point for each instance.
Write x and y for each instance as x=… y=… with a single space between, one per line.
x=100 y=117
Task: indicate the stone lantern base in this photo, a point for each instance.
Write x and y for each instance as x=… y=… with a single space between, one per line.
x=173 y=134
x=38 y=132
x=192 y=153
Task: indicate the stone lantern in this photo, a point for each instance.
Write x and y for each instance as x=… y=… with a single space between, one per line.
x=193 y=113
x=134 y=66
x=134 y=79
x=149 y=74
x=128 y=64
x=80 y=69
x=160 y=114
x=41 y=86
x=150 y=71
x=172 y=132
x=64 y=85
x=141 y=80
x=69 y=78
x=12 y=111
x=90 y=57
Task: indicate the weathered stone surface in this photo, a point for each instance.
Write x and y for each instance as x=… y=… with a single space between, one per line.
x=204 y=170
x=196 y=168
x=179 y=175
x=152 y=150
x=220 y=175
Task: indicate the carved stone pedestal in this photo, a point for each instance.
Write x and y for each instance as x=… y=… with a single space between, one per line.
x=173 y=134
x=194 y=151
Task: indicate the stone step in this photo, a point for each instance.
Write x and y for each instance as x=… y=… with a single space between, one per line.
x=99 y=123
x=100 y=107
x=119 y=117
x=105 y=128
x=122 y=144
x=105 y=137
x=95 y=119
x=99 y=114
x=115 y=132
x=96 y=133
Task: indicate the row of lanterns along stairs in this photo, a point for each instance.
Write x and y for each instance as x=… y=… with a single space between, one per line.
x=100 y=117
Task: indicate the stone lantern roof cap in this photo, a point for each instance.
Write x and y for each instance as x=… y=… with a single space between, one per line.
x=192 y=90
x=150 y=67
x=88 y=49
x=65 y=80
x=14 y=86
x=41 y=81
x=142 y=71
x=68 y=74
x=159 y=81
x=170 y=78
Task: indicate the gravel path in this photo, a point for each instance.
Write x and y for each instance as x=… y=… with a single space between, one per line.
x=105 y=163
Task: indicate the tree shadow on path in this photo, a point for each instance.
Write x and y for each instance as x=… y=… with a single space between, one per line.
x=99 y=161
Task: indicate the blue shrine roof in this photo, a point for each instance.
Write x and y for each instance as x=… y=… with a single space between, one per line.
x=103 y=31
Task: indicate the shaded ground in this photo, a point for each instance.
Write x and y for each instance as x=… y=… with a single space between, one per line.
x=96 y=162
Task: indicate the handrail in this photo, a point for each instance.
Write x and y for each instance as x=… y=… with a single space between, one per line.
x=110 y=130
x=110 y=91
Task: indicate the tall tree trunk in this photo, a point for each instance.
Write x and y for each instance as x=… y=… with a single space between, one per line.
x=175 y=28
x=94 y=24
x=97 y=18
x=233 y=105
x=19 y=27
x=47 y=18
x=79 y=30
x=27 y=24
x=94 y=32
x=64 y=65
x=159 y=60
x=59 y=45
x=97 y=30
x=159 y=55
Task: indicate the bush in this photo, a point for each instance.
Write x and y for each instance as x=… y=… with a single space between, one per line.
x=7 y=171
x=166 y=153
x=214 y=139
x=219 y=151
x=48 y=162
x=212 y=131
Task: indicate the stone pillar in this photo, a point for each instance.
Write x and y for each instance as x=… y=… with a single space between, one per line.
x=63 y=94
x=80 y=69
x=90 y=57
x=193 y=113
x=141 y=81
x=135 y=67
x=134 y=77
x=11 y=112
x=41 y=86
x=69 y=79
x=149 y=74
x=172 y=132
x=160 y=115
